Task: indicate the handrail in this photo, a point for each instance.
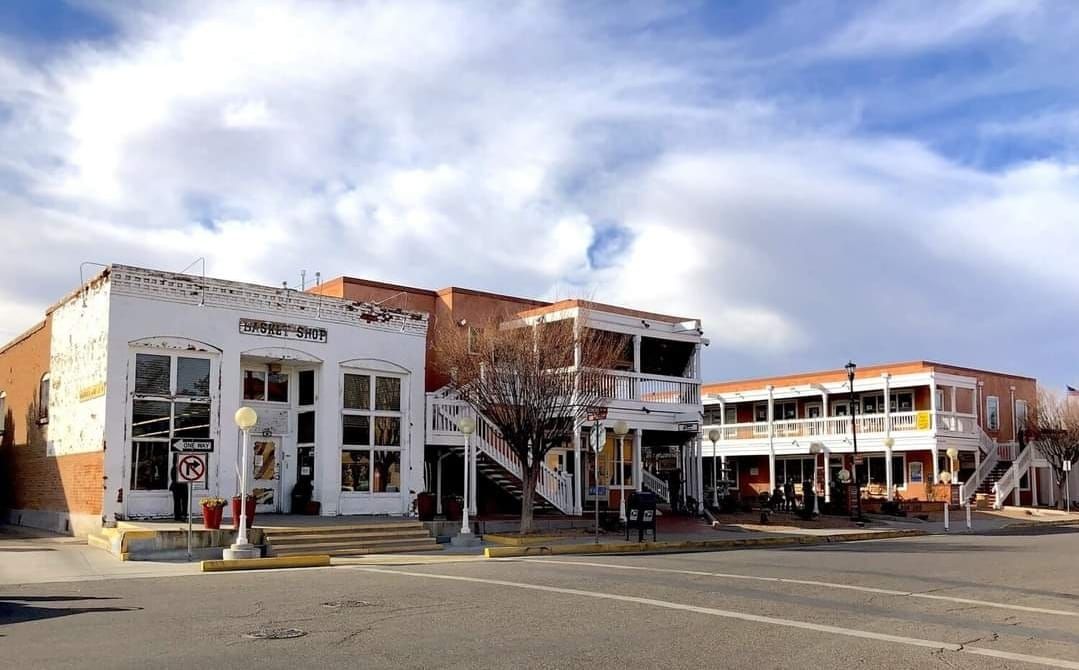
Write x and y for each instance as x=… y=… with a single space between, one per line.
x=839 y=426
x=655 y=485
x=555 y=487
x=969 y=487
x=1010 y=481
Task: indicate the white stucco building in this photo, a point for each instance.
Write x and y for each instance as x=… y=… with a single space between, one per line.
x=142 y=358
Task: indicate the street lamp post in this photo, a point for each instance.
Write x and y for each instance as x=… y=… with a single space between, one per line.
x=713 y=437
x=245 y=419
x=467 y=425
x=620 y=430
x=851 y=368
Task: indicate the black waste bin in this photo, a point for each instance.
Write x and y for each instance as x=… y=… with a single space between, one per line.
x=641 y=514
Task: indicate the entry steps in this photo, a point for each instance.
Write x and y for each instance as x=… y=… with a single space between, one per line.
x=389 y=537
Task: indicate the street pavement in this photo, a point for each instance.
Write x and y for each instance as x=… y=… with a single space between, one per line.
x=1008 y=600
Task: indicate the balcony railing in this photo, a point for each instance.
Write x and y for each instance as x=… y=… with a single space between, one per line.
x=872 y=424
x=636 y=386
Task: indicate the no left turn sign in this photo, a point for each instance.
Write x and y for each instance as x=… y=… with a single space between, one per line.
x=191 y=467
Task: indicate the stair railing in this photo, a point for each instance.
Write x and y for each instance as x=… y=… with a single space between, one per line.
x=555 y=487
x=655 y=485
x=969 y=487
x=1010 y=480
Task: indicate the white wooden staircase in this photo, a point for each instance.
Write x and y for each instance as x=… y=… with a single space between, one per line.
x=495 y=460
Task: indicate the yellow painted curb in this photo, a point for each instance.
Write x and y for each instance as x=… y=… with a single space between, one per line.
x=691 y=545
x=310 y=561
x=518 y=540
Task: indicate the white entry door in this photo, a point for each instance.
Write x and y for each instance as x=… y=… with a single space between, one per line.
x=266 y=474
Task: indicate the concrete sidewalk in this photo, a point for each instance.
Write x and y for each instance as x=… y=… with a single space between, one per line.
x=35 y=557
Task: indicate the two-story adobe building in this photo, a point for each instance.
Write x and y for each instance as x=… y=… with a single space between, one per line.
x=907 y=417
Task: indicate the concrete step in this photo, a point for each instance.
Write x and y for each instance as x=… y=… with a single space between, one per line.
x=385 y=526
x=345 y=536
x=363 y=550
x=322 y=547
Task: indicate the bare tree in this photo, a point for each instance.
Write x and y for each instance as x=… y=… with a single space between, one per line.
x=523 y=379
x=1053 y=427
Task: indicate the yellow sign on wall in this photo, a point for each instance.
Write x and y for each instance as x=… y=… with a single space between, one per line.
x=91 y=392
x=923 y=421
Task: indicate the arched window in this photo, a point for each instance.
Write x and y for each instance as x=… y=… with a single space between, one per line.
x=43 y=399
x=3 y=411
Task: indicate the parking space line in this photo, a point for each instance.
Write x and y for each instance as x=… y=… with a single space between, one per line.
x=811 y=582
x=743 y=616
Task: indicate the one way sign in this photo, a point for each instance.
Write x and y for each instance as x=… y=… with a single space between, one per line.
x=191 y=468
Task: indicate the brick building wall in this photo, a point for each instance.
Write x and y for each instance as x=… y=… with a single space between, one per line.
x=59 y=493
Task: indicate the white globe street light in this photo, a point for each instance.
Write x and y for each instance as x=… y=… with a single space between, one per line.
x=467 y=426
x=245 y=419
x=621 y=428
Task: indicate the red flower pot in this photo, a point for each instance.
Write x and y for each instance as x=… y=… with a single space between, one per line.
x=211 y=516
x=426 y=505
x=236 y=512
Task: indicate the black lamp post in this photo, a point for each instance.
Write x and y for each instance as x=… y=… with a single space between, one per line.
x=851 y=368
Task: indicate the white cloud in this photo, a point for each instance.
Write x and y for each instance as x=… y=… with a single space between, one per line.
x=436 y=144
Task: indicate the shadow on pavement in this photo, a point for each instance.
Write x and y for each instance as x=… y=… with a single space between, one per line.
x=17 y=609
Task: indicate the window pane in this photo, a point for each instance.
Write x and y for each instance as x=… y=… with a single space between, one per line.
x=356 y=430
x=388 y=431
x=149 y=466
x=357 y=392
x=277 y=387
x=192 y=420
x=307 y=387
x=388 y=394
x=150 y=418
x=153 y=374
x=877 y=473
x=386 y=476
x=193 y=377
x=254 y=385
x=899 y=471
x=355 y=470
x=305 y=427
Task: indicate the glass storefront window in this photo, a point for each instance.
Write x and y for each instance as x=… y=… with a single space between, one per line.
x=388 y=394
x=356 y=470
x=193 y=377
x=355 y=429
x=254 y=385
x=386 y=476
x=191 y=420
x=149 y=466
x=388 y=431
x=357 y=392
x=277 y=387
x=371 y=418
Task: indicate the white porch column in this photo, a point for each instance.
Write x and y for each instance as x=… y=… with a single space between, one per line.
x=1052 y=488
x=933 y=408
x=936 y=462
x=1015 y=429
x=889 y=476
x=1034 y=486
x=638 y=463
x=699 y=446
x=978 y=397
x=827 y=476
x=771 y=440
x=636 y=390
x=953 y=409
x=887 y=377
x=578 y=474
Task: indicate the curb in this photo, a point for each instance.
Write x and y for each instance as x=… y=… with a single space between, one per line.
x=1041 y=524
x=505 y=540
x=311 y=561
x=692 y=545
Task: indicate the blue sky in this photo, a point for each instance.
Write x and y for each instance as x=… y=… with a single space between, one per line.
x=816 y=180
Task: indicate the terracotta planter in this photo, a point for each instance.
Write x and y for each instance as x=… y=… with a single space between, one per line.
x=426 y=504
x=453 y=507
x=211 y=516
x=236 y=512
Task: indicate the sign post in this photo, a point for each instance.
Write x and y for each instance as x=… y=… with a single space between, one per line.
x=596 y=415
x=1067 y=486
x=190 y=468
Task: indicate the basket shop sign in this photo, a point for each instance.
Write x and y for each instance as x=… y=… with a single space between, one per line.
x=284 y=331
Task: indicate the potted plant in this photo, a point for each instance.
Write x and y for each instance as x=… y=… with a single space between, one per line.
x=250 y=505
x=426 y=504
x=212 y=511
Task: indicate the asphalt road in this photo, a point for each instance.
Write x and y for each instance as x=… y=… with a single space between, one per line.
x=950 y=602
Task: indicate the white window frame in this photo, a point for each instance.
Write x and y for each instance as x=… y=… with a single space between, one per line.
x=992 y=418
x=173 y=399
x=44 y=384
x=1021 y=424
x=3 y=411
x=883 y=457
x=372 y=414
